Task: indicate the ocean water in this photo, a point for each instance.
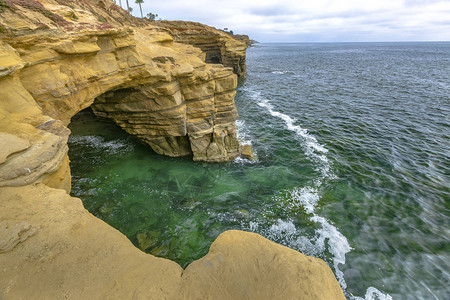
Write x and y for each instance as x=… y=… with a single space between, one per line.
x=352 y=145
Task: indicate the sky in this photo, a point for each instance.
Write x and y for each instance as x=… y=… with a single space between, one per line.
x=314 y=20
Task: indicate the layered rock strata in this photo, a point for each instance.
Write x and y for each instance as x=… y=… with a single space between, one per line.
x=218 y=45
x=244 y=38
x=58 y=57
x=193 y=113
x=160 y=91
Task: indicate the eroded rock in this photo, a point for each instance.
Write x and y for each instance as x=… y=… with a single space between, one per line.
x=12 y=235
x=11 y=144
x=246 y=152
x=219 y=47
x=76 y=255
x=244 y=265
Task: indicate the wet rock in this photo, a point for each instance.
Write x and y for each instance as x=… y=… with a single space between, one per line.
x=246 y=152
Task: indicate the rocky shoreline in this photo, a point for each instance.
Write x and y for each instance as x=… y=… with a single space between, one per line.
x=172 y=85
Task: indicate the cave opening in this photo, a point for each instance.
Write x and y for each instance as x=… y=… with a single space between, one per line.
x=213 y=58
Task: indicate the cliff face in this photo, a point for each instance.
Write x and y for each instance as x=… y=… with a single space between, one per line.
x=58 y=57
x=158 y=90
x=244 y=38
x=185 y=107
x=219 y=46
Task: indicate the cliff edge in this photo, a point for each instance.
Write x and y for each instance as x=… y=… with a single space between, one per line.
x=58 y=57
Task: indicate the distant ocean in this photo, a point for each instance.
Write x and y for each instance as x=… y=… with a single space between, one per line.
x=353 y=166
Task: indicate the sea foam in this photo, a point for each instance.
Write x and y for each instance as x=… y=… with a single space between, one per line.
x=328 y=237
x=244 y=137
x=98 y=142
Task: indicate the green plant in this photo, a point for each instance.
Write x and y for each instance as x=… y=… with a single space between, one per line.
x=152 y=16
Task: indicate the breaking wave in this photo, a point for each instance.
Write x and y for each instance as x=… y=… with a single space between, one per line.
x=327 y=237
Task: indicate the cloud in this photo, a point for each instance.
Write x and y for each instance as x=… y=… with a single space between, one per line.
x=317 y=20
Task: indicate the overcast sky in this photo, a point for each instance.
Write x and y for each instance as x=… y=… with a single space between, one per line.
x=314 y=20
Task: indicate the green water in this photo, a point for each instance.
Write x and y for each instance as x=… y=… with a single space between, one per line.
x=177 y=206
x=353 y=166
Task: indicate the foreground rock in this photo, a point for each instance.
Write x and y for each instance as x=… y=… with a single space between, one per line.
x=243 y=265
x=72 y=254
x=61 y=251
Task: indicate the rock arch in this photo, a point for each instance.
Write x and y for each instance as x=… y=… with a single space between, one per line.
x=175 y=103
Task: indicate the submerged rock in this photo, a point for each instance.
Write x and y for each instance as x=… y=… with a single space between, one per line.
x=147 y=240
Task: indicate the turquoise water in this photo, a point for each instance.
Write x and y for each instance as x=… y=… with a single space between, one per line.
x=353 y=166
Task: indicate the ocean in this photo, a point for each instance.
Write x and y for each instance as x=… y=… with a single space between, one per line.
x=352 y=165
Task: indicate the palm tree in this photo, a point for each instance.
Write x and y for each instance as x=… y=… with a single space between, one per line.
x=139 y=2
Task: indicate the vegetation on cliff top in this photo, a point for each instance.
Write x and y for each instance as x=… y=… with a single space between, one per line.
x=34 y=6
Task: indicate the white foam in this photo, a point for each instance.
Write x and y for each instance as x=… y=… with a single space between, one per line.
x=240 y=160
x=312 y=147
x=313 y=144
x=307 y=197
x=253 y=226
x=282 y=72
x=338 y=245
x=373 y=294
x=328 y=236
x=283 y=228
x=94 y=141
x=243 y=133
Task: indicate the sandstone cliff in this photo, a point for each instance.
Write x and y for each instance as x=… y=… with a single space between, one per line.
x=244 y=38
x=218 y=46
x=155 y=89
x=58 y=57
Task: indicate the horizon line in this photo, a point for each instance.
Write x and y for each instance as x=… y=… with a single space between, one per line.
x=352 y=42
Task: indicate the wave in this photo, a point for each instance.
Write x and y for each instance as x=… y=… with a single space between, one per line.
x=243 y=135
x=327 y=237
x=98 y=142
x=312 y=147
x=282 y=72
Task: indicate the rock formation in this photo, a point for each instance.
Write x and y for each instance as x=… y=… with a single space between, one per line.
x=218 y=45
x=58 y=57
x=244 y=38
x=160 y=91
x=62 y=251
